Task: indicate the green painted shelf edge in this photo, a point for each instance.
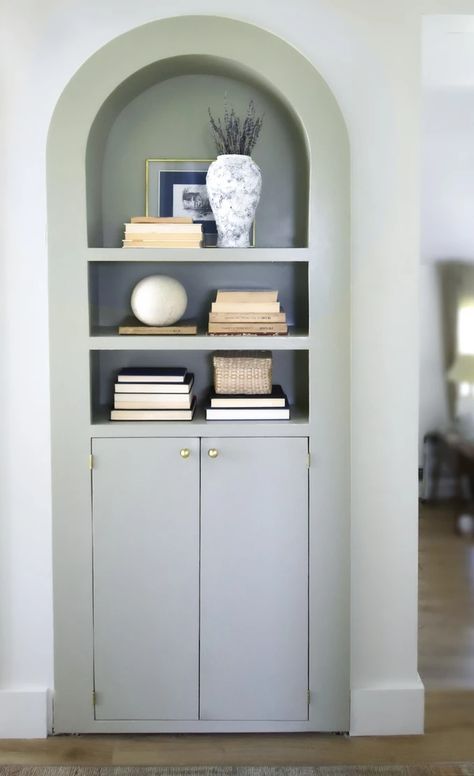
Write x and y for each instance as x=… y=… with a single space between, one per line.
x=199 y=254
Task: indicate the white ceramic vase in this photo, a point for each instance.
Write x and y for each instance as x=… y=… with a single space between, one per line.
x=234 y=183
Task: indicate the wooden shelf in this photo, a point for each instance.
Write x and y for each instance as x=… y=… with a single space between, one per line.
x=198 y=254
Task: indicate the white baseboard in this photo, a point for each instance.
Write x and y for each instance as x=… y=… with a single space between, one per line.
x=375 y=711
x=388 y=711
x=25 y=713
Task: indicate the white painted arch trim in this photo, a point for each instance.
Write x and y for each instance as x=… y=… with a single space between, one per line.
x=388 y=711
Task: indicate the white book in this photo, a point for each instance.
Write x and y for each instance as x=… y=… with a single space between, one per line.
x=164 y=228
x=246 y=295
x=184 y=414
x=150 y=401
x=259 y=413
x=160 y=388
x=245 y=307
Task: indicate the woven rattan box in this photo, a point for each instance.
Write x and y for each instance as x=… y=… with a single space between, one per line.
x=243 y=372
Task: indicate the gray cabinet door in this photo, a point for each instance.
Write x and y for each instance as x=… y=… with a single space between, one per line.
x=146 y=578
x=254 y=579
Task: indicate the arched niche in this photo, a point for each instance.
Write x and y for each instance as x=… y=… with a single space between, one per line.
x=99 y=115
x=146 y=94
x=162 y=111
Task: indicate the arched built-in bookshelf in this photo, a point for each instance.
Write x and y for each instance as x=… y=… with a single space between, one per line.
x=145 y=95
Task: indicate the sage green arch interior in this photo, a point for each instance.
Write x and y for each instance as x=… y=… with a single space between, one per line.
x=146 y=94
x=162 y=112
x=94 y=183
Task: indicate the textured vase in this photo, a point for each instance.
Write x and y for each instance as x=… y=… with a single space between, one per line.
x=234 y=183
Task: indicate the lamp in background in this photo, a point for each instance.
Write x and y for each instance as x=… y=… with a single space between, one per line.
x=462 y=370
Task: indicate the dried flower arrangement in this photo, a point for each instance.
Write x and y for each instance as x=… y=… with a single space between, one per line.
x=233 y=136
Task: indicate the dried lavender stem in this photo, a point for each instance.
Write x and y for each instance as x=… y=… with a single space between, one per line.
x=233 y=136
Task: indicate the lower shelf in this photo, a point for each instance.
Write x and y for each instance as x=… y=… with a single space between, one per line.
x=298 y=425
x=289 y=369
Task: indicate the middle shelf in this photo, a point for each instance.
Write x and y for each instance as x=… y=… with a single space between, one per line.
x=106 y=338
x=111 y=285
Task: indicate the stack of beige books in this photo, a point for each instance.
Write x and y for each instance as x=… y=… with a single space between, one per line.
x=158 y=232
x=247 y=312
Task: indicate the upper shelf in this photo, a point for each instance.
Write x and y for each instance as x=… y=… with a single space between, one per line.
x=164 y=118
x=198 y=254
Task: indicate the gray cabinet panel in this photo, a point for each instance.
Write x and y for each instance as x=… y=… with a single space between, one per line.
x=146 y=578
x=254 y=579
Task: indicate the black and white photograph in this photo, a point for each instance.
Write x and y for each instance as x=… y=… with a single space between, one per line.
x=191 y=200
x=177 y=187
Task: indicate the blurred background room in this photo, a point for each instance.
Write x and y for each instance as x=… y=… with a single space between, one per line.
x=446 y=433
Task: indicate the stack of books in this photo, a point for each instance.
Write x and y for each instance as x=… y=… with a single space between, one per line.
x=151 y=232
x=270 y=406
x=154 y=393
x=247 y=313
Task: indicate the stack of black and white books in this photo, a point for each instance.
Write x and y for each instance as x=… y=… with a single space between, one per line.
x=269 y=406
x=154 y=393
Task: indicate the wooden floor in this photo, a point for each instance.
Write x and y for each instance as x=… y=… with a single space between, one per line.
x=446 y=666
x=446 y=601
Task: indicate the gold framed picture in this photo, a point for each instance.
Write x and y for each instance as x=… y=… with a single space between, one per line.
x=177 y=187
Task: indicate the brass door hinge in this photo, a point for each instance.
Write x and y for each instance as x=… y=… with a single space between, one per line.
x=308 y=695
x=308 y=461
x=94 y=698
x=91 y=462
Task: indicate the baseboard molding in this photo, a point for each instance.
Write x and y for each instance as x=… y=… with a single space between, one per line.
x=388 y=711
x=375 y=711
x=25 y=713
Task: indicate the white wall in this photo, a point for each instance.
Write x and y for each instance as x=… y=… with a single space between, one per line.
x=356 y=47
x=448 y=173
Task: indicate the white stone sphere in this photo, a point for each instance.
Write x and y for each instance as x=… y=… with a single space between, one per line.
x=159 y=300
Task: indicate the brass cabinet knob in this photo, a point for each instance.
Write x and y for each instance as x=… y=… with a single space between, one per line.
x=185 y=452
x=212 y=453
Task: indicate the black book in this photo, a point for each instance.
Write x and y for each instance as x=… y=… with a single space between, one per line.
x=158 y=388
x=152 y=374
x=276 y=398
